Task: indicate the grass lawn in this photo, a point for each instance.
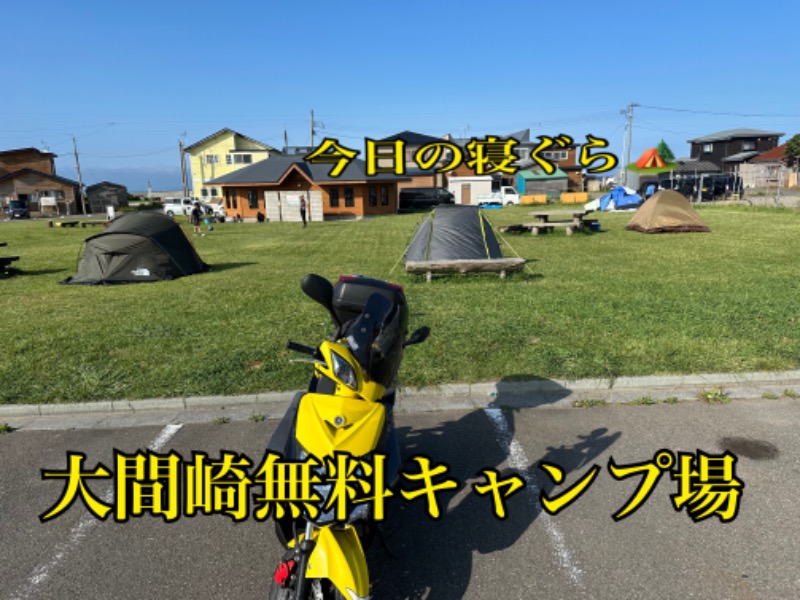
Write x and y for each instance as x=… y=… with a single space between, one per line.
x=603 y=304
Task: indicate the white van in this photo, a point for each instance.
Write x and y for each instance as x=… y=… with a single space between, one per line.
x=178 y=206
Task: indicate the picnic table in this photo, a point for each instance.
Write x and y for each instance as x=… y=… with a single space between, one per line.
x=548 y=220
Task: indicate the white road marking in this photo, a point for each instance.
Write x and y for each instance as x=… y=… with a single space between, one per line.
x=85 y=524
x=518 y=461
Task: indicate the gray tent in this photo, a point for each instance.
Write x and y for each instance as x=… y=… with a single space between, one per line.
x=457 y=239
x=454 y=232
x=138 y=247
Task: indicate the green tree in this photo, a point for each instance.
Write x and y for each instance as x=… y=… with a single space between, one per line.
x=792 y=150
x=665 y=152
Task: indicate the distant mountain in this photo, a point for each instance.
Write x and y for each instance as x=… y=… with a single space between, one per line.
x=134 y=178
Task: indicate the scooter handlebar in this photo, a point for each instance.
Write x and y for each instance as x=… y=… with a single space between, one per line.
x=290 y=345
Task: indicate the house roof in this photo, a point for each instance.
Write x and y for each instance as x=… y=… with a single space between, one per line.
x=274 y=168
x=27 y=150
x=111 y=183
x=538 y=173
x=14 y=174
x=412 y=138
x=777 y=154
x=729 y=134
x=691 y=166
x=523 y=135
x=740 y=157
x=223 y=131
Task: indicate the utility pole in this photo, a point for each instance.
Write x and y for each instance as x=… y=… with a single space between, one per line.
x=184 y=179
x=312 y=128
x=630 y=134
x=80 y=179
x=285 y=141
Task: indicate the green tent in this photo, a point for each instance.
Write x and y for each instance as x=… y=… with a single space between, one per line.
x=137 y=247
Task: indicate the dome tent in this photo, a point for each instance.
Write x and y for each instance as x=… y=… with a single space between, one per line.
x=620 y=198
x=667 y=211
x=136 y=248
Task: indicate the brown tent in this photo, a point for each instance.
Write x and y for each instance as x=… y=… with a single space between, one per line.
x=666 y=211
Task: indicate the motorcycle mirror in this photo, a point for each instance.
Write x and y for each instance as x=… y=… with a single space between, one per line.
x=419 y=336
x=320 y=290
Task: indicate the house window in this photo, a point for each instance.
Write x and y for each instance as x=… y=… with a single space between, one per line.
x=749 y=145
x=212 y=159
x=252 y=199
x=384 y=195
x=708 y=148
x=349 y=198
x=239 y=159
x=373 y=196
x=555 y=155
x=204 y=192
x=333 y=196
x=214 y=193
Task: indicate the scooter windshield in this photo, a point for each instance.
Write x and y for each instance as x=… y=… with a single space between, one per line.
x=375 y=322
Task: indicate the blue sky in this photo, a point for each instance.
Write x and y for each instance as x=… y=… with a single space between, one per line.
x=129 y=80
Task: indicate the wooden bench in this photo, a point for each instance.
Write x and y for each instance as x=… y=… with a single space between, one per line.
x=543 y=227
x=513 y=228
x=84 y=224
x=5 y=263
x=62 y=223
x=490 y=265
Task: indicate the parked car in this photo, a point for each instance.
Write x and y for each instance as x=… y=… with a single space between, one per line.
x=504 y=196
x=218 y=209
x=18 y=209
x=178 y=206
x=424 y=197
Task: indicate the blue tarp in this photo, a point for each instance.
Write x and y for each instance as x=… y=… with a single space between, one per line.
x=620 y=198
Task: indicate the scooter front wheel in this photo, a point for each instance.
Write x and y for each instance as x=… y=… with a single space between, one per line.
x=318 y=589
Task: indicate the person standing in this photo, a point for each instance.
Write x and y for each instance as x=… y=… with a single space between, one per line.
x=303 y=209
x=196 y=215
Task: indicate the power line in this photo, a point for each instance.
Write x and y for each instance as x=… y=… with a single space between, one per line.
x=711 y=112
x=130 y=155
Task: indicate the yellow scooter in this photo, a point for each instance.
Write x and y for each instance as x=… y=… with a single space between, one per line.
x=348 y=408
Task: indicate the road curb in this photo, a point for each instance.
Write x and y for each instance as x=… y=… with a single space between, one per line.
x=544 y=392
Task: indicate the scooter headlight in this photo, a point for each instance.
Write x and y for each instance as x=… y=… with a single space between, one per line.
x=343 y=371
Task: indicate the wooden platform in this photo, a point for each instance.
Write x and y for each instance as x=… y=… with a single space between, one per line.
x=62 y=223
x=86 y=224
x=486 y=265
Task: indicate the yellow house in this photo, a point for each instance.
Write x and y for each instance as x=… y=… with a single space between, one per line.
x=220 y=154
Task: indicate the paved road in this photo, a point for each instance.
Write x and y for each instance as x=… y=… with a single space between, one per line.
x=579 y=553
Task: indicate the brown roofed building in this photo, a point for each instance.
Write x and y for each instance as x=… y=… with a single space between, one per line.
x=27 y=158
x=28 y=176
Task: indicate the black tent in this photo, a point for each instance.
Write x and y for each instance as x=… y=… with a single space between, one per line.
x=454 y=232
x=137 y=247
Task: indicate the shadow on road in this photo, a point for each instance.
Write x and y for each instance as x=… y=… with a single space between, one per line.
x=433 y=559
